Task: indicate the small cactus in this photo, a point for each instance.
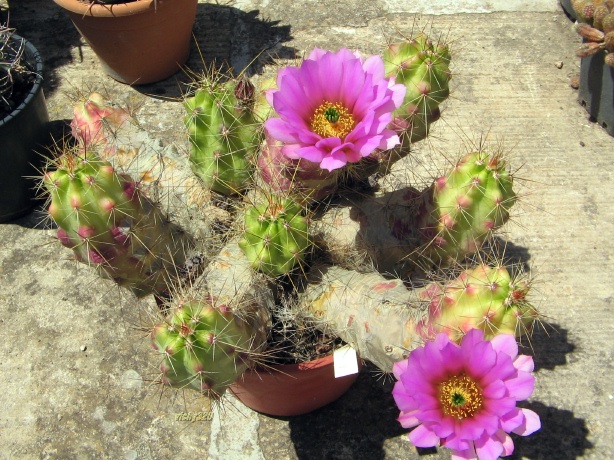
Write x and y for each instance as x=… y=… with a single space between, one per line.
x=203 y=346
x=483 y=297
x=596 y=27
x=462 y=208
x=275 y=238
x=424 y=68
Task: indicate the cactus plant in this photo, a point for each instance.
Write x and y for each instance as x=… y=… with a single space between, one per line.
x=482 y=297
x=218 y=325
x=424 y=68
x=462 y=208
x=223 y=134
x=108 y=223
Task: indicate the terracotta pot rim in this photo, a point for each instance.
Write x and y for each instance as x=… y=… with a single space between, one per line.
x=286 y=368
x=108 y=11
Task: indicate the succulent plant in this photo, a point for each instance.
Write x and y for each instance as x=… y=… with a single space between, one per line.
x=275 y=238
x=464 y=207
x=207 y=341
x=596 y=27
x=424 y=68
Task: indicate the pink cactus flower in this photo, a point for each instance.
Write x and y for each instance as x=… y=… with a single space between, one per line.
x=334 y=109
x=463 y=397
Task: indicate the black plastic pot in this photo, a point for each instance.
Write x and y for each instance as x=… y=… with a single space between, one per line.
x=566 y=5
x=596 y=91
x=21 y=133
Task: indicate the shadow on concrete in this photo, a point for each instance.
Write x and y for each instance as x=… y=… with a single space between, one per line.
x=549 y=345
x=562 y=436
x=231 y=41
x=355 y=426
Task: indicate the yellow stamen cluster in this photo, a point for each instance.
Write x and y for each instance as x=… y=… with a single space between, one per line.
x=460 y=397
x=332 y=120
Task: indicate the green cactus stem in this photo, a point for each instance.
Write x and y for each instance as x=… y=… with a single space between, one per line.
x=224 y=135
x=275 y=238
x=109 y=224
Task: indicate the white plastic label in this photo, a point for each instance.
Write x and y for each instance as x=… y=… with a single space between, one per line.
x=345 y=361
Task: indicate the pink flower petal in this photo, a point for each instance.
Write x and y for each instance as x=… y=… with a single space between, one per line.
x=512 y=420
x=333 y=162
x=506 y=442
x=455 y=442
x=505 y=343
x=522 y=386
x=524 y=363
x=278 y=129
x=467 y=454
x=469 y=428
x=398 y=368
x=408 y=420
x=423 y=437
x=495 y=390
x=531 y=423
x=488 y=447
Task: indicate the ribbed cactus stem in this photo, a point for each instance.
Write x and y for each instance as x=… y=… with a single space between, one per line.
x=424 y=68
x=108 y=223
x=275 y=237
x=224 y=134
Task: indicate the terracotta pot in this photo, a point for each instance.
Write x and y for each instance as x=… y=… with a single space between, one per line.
x=22 y=134
x=292 y=389
x=138 y=42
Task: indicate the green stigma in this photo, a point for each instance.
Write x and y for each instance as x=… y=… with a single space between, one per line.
x=458 y=399
x=332 y=115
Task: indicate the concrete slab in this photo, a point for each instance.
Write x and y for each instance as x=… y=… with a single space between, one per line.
x=75 y=367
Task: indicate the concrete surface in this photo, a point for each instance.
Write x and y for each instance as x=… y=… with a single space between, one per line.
x=75 y=367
